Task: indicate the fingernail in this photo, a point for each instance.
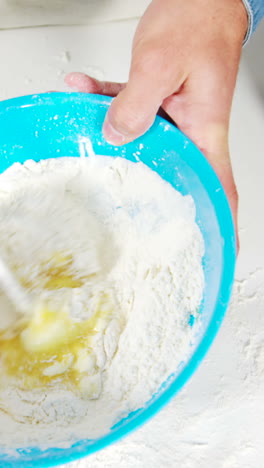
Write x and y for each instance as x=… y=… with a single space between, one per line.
x=113 y=136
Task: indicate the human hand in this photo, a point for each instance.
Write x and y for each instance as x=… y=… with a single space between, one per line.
x=185 y=58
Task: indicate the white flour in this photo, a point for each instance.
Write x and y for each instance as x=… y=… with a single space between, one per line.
x=149 y=251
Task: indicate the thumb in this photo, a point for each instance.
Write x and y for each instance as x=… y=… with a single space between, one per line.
x=130 y=115
x=134 y=109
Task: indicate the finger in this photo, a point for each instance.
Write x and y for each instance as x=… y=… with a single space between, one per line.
x=215 y=148
x=86 y=84
x=201 y=110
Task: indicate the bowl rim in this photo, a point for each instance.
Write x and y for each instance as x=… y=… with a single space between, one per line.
x=226 y=226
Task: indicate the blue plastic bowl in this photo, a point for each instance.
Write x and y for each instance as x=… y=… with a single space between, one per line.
x=50 y=125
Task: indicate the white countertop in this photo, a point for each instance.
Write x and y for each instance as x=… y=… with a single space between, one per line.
x=217 y=420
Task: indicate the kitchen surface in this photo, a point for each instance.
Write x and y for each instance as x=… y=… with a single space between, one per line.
x=217 y=420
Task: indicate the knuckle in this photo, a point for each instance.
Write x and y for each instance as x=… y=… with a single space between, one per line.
x=149 y=60
x=154 y=59
x=94 y=86
x=158 y=63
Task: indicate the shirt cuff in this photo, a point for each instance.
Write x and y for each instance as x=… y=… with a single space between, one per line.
x=255 y=11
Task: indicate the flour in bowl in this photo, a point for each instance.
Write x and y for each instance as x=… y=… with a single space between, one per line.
x=117 y=322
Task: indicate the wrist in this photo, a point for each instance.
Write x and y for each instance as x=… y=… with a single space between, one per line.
x=236 y=18
x=243 y=17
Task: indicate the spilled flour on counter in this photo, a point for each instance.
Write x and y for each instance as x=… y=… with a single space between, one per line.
x=124 y=326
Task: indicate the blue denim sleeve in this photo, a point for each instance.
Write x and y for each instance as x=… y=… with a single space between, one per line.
x=255 y=10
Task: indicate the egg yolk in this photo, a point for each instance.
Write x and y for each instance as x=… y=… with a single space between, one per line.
x=52 y=347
